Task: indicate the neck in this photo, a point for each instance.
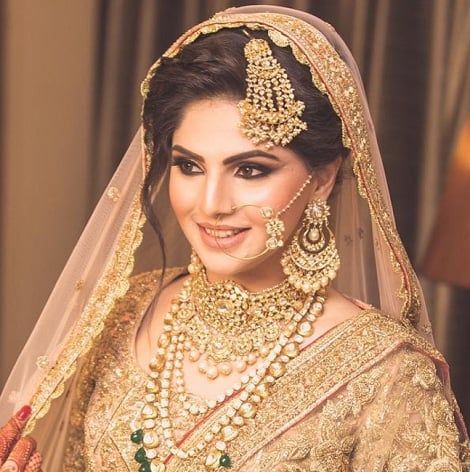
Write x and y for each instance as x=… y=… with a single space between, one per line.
x=253 y=279
x=251 y=282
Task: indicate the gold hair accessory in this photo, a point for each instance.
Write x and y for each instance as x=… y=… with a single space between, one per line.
x=312 y=259
x=270 y=113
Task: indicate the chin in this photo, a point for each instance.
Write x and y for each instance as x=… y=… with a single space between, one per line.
x=220 y=266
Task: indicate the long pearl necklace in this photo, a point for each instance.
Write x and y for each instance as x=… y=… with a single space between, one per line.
x=166 y=374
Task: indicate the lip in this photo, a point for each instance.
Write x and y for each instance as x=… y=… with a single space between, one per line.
x=223 y=236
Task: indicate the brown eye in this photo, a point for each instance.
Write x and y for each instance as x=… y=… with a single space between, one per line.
x=186 y=166
x=252 y=171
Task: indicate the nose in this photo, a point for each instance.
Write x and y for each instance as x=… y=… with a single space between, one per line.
x=216 y=198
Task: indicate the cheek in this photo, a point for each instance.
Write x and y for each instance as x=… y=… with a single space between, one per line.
x=293 y=219
x=274 y=194
x=176 y=195
x=293 y=216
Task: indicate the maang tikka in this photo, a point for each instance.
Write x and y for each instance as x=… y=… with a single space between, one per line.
x=312 y=259
x=270 y=113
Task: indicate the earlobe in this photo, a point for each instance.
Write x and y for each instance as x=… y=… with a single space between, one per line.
x=324 y=180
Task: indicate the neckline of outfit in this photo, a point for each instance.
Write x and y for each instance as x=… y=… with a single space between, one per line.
x=243 y=398
x=319 y=344
x=144 y=371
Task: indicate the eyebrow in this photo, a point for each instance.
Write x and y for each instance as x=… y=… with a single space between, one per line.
x=230 y=159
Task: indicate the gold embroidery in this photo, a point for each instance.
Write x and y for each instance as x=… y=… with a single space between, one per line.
x=357 y=429
x=335 y=410
x=113 y=194
x=110 y=386
x=112 y=285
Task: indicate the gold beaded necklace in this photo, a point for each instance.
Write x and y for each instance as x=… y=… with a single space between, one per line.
x=243 y=400
x=228 y=327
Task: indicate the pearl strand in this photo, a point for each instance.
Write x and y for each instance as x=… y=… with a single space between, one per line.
x=169 y=362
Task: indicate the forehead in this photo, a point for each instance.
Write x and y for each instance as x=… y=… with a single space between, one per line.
x=211 y=128
x=214 y=121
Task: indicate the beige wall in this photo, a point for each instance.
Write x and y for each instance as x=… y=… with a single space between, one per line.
x=47 y=79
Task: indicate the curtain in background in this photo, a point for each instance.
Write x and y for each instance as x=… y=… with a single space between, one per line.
x=70 y=74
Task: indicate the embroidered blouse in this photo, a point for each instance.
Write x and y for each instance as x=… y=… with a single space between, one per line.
x=368 y=395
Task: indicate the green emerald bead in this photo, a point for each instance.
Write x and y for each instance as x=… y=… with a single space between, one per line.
x=137 y=436
x=141 y=456
x=225 y=460
x=145 y=467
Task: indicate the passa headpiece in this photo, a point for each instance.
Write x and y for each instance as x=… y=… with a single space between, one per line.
x=270 y=113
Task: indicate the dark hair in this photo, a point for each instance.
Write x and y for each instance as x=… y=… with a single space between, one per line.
x=215 y=66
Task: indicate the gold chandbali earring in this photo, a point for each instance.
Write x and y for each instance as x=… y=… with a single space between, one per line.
x=270 y=113
x=312 y=259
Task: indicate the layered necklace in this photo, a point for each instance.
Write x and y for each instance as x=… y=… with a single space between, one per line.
x=223 y=328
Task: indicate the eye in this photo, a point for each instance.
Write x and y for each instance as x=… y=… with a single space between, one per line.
x=186 y=166
x=252 y=171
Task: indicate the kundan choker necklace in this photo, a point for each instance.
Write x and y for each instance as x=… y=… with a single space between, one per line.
x=228 y=328
x=199 y=310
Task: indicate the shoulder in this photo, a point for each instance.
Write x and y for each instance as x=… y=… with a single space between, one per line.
x=367 y=344
x=129 y=310
x=367 y=326
x=380 y=350
x=144 y=286
x=367 y=341
x=376 y=328
x=400 y=354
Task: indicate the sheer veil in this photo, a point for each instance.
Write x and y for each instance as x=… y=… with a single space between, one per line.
x=117 y=242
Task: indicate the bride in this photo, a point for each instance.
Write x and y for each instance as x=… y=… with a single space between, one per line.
x=275 y=322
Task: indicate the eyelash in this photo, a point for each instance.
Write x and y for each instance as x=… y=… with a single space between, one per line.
x=263 y=171
x=180 y=162
x=183 y=165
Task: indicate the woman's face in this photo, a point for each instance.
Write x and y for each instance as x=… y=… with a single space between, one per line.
x=215 y=171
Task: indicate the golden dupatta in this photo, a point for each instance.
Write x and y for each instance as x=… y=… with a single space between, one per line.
x=376 y=268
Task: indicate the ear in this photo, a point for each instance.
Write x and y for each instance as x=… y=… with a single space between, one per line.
x=324 y=179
